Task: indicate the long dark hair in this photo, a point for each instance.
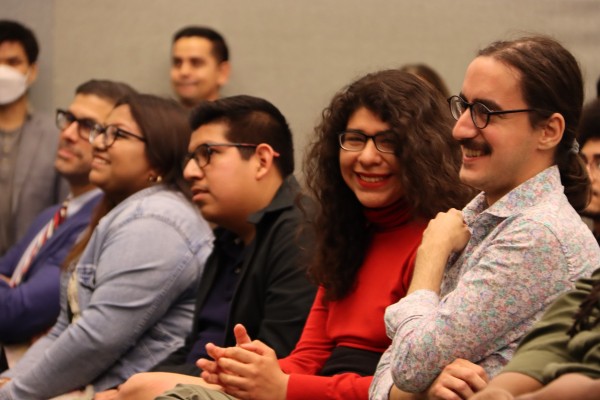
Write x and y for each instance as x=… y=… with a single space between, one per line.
x=551 y=80
x=583 y=318
x=419 y=115
x=165 y=126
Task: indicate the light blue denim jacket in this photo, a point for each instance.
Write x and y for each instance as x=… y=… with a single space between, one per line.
x=137 y=279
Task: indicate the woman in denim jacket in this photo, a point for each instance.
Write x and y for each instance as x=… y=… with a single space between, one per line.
x=128 y=290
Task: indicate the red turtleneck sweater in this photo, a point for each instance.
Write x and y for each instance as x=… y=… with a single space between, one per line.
x=356 y=321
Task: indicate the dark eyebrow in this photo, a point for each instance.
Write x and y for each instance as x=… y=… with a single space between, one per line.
x=90 y=119
x=388 y=131
x=492 y=105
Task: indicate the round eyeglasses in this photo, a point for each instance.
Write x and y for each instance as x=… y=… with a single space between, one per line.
x=110 y=134
x=64 y=119
x=354 y=140
x=201 y=154
x=480 y=113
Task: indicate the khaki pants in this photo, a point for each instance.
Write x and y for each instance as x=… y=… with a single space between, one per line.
x=193 y=392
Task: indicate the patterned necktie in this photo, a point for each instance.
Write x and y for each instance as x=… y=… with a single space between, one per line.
x=37 y=243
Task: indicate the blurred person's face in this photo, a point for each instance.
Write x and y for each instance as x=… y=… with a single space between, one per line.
x=74 y=155
x=196 y=74
x=590 y=152
x=17 y=72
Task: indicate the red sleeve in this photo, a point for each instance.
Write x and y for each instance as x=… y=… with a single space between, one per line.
x=407 y=273
x=309 y=356
x=314 y=346
x=347 y=386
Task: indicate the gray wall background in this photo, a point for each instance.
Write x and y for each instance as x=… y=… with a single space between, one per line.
x=296 y=54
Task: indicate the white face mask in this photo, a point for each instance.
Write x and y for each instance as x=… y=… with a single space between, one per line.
x=12 y=84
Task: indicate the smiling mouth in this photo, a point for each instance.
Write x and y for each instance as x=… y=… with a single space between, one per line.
x=372 y=178
x=473 y=152
x=187 y=83
x=473 y=149
x=99 y=159
x=66 y=151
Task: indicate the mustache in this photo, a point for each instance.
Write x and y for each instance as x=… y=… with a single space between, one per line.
x=71 y=148
x=471 y=144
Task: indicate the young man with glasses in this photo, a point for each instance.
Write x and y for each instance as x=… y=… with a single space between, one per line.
x=485 y=274
x=240 y=167
x=30 y=270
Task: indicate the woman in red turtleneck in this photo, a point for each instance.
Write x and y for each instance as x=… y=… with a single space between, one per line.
x=382 y=163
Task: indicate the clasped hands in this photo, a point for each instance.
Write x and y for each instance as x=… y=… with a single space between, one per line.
x=248 y=370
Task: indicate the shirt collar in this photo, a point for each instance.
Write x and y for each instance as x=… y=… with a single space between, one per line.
x=523 y=196
x=284 y=198
x=75 y=203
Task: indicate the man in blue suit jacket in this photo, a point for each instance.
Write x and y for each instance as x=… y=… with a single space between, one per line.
x=28 y=308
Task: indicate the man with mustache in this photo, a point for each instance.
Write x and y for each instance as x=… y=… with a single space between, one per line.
x=30 y=270
x=484 y=275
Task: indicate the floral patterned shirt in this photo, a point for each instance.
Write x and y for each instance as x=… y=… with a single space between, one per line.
x=525 y=250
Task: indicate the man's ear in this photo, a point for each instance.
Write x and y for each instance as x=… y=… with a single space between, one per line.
x=33 y=72
x=265 y=156
x=224 y=71
x=552 y=132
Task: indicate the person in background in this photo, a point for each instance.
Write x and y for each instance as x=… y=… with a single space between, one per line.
x=127 y=296
x=485 y=274
x=589 y=140
x=370 y=167
x=28 y=181
x=199 y=64
x=30 y=270
x=559 y=358
x=429 y=75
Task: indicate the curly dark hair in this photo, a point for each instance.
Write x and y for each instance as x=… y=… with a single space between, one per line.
x=419 y=116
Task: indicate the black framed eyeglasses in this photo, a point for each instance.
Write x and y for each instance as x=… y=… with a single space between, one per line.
x=480 y=113
x=65 y=118
x=355 y=140
x=111 y=133
x=201 y=154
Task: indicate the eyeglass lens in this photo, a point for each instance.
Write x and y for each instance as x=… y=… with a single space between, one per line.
x=479 y=112
x=356 y=141
x=84 y=125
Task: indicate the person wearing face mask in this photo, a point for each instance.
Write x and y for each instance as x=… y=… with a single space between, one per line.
x=28 y=181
